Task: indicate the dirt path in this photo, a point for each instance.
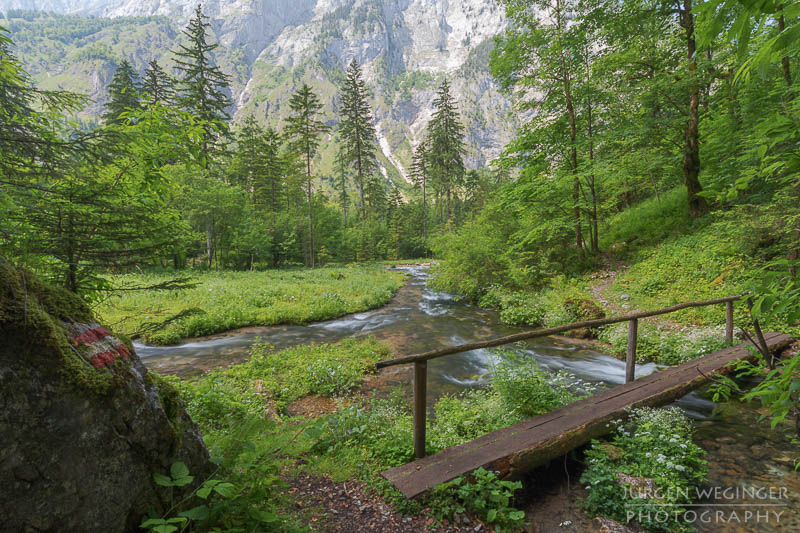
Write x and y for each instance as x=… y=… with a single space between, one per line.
x=348 y=508
x=603 y=279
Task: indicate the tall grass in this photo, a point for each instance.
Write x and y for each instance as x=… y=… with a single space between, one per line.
x=226 y=300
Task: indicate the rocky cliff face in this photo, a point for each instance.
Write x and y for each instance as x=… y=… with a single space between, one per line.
x=83 y=425
x=407 y=47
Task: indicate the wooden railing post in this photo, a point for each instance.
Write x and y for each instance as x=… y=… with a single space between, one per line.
x=420 y=407
x=630 y=355
x=729 y=322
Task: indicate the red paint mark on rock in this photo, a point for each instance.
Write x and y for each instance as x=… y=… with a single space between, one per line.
x=96 y=344
x=104 y=359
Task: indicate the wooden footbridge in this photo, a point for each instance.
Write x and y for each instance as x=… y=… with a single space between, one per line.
x=535 y=441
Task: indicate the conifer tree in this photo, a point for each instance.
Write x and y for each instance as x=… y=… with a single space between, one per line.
x=395 y=223
x=341 y=169
x=303 y=129
x=202 y=87
x=248 y=168
x=157 y=85
x=419 y=175
x=357 y=148
x=123 y=93
x=272 y=189
x=203 y=92
x=446 y=145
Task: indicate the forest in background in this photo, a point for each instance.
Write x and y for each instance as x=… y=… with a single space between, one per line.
x=169 y=181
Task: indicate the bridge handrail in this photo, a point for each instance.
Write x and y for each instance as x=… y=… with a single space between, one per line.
x=544 y=332
x=420 y=360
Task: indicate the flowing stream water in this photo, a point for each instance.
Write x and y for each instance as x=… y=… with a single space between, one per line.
x=743 y=452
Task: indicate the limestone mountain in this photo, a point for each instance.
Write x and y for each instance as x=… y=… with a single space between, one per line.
x=270 y=47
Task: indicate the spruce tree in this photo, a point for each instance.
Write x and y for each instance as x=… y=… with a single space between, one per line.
x=247 y=168
x=446 y=145
x=123 y=93
x=303 y=129
x=419 y=175
x=157 y=85
x=357 y=149
x=341 y=169
x=272 y=189
x=202 y=87
x=203 y=92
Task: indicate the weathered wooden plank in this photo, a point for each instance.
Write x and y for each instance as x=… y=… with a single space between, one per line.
x=544 y=332
x=532 y=442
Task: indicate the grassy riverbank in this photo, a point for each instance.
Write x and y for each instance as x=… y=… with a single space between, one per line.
x=244 y=414
x=222 y=301
x=309 y=473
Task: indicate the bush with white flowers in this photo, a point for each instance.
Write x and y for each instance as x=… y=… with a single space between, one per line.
x=648 y=468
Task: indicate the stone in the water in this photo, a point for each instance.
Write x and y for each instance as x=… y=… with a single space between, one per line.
x=83 y=425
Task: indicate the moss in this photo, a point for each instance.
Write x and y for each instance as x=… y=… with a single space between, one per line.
x=31 y=312
x=170 y=400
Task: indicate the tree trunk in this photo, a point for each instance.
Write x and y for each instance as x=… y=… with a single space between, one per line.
x=691 y=154
x=424 y=213
x=573 y=133
x=310 y=212
x=210 y=242
x=787 y=74
x=592 y=190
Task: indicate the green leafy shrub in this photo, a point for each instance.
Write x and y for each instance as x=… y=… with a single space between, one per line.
x=462 y=418
x=485 y=496
x=527 y=390
x=517 y=389
x=563 y=302
x=650 y=465
x=657 y=344
x=383 y=427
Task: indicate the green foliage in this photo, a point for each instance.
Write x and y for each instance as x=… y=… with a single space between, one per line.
x=650 y=462
x=271 y=379
x=383 y=428
x=462 y=418
x=228 y=300
x=661 y=345
x=634 y=228
x=517 y=389
x=485 y=496
x=202 y=86
x=528 y=391
x=123 y=94
x=247 y=505
x=776 y=304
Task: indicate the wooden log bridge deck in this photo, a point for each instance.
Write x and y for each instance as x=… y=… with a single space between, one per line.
x=535 y=441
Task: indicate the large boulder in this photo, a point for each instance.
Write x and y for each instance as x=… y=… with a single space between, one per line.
x=83 y=425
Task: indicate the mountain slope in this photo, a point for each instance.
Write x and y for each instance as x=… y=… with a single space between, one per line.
x=271 y=47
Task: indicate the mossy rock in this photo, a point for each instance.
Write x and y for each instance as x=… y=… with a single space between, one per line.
x=582 y=309
x=83 y=425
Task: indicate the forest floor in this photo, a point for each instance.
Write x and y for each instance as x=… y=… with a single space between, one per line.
x=605 y=278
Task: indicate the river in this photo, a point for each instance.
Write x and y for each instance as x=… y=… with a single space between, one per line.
x=743 y=452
